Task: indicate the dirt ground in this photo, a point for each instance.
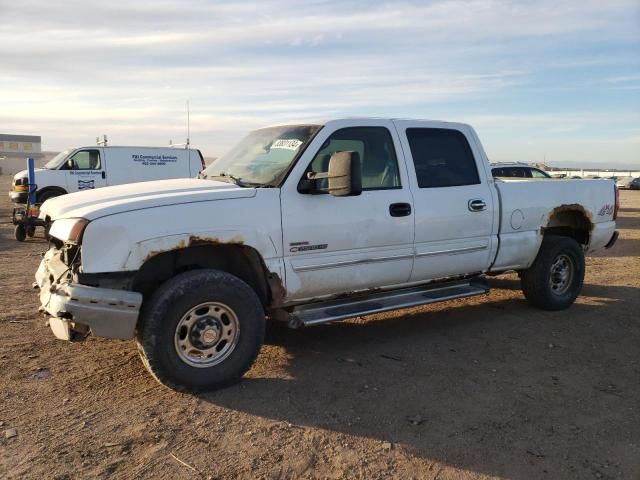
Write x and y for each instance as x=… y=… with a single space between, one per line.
x=478 y=388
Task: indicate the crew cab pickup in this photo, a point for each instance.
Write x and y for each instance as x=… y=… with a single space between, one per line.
x=306 y=224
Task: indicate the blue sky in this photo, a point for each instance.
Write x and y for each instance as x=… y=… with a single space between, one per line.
x=545 y=79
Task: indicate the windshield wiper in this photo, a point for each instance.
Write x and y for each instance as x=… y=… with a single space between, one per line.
x=238 y=181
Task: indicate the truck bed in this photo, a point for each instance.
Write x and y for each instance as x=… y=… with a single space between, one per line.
x=527 y=205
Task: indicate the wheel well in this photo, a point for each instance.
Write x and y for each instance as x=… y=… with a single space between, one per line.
x=570 y=221
x=239 y=260
x=58 y=190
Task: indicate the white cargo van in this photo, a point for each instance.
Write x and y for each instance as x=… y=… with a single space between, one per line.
x=100 y=166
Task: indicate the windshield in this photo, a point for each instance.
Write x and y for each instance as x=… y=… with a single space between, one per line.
x=263 y=157
x=56 y=161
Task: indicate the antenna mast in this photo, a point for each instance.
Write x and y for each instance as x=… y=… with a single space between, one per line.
x=188 y=126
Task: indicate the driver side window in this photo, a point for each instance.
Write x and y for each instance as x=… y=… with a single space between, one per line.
x=87 y=160
x=376 y=152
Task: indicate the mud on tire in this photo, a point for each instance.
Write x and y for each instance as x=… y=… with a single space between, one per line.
x=201 y=330
x=555 y=278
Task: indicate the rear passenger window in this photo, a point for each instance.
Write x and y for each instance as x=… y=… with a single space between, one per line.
x=442 y=158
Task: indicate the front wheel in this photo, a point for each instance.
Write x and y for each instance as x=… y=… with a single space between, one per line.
x=20 y=232
x=554 y=280
x=46 y=195
x=201 y=330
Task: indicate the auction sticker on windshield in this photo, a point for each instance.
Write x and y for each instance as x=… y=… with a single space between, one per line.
x=287 y=144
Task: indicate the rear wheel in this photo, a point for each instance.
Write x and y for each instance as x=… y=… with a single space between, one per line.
x=201 y=330
x=555 y=278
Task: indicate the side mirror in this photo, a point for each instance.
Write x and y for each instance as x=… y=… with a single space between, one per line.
x=70 y=164
x=344 y=175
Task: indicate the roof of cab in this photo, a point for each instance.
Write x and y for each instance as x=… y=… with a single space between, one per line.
x=325 y=121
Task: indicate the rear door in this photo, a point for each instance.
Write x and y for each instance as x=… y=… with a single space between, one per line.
x=88 y=170
x=454 y=206
x=195 y=163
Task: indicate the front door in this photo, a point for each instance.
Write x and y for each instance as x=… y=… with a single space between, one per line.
x=337 y=245
x=88 y=170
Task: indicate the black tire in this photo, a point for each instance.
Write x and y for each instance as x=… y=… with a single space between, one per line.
x=31 y=231
x=545 y=284
x=46 y=195
x=174 y=301
x=20 y=232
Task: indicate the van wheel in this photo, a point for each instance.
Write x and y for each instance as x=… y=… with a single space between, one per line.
x=555 y=279
x=201 y=330
x=20 y=232
x=46 y=195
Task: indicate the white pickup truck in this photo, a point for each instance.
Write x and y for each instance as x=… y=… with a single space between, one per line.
x=307 y=224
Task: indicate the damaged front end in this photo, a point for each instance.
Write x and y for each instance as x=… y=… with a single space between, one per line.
x=76 y=309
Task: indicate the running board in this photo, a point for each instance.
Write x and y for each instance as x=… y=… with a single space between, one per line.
x=383 y=301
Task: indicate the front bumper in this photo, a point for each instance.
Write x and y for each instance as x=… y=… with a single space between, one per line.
x=77 y=308
x=18 y=197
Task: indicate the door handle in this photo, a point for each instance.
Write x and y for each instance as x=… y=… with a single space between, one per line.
x=477 y=205
x=104 y=175
x=399 y=209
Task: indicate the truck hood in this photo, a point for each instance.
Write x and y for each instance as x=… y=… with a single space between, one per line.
x=92 y=204
x=24 y=173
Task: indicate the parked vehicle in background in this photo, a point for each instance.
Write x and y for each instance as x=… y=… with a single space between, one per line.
x=635 y=184
x=307 y=224
x=86 y=168
x=517 y=170
x=624 y=183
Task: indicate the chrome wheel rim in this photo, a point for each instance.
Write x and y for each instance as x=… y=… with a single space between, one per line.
x=207 y=334
x=562 y=272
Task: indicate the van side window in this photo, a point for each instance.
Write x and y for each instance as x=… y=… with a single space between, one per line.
x=442 y=158
x=87 y=160
x=377 y=156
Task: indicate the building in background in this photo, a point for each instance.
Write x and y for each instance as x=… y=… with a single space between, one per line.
x=14 y=150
